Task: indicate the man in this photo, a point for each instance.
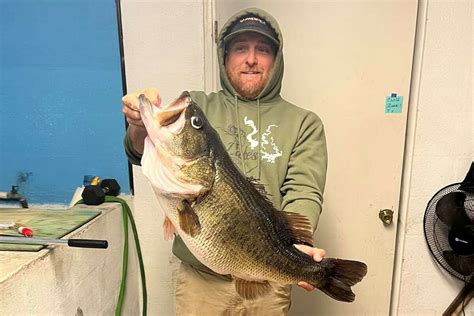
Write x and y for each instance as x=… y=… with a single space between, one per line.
x=270 y=139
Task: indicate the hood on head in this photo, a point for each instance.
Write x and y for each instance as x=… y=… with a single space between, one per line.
x=273 y=87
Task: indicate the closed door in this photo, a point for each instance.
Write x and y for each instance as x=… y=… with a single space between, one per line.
x=350 y=62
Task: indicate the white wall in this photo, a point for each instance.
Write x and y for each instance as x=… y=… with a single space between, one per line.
x=443 y=149
x=164 y=48
x=442 y=136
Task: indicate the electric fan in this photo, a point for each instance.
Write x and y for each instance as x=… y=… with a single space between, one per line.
x=449 y=232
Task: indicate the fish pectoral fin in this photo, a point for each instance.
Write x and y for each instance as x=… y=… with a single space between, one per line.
x=168 y=229
x=188 y=219
x=251 y=289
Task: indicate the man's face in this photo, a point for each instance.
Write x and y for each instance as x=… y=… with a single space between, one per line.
x=248 y=63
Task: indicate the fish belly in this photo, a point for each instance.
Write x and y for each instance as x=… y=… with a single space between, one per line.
x=200 y=246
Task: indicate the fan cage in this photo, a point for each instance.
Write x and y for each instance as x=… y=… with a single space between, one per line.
x=436 y=232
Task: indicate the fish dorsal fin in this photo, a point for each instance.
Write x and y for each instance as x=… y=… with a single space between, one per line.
x=260 y=188
x=300 y=228
x=251 y=289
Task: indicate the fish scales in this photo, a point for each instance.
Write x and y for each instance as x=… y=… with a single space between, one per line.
x=228 y=225
x=223 y=217
x=245 y=249
x=274 y=265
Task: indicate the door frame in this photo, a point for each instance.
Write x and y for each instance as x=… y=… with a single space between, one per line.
x=211 y=66
x=415 y=80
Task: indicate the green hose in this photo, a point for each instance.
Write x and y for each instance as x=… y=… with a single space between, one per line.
x=123 y=284
x=126 y=215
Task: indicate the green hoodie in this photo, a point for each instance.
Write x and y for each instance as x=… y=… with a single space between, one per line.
x=268 y=138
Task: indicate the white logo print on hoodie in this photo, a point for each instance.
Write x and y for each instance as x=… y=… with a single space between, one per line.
x=268 y=154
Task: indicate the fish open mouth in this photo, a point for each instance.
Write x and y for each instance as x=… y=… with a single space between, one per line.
x=169 y=117
x=173 y=111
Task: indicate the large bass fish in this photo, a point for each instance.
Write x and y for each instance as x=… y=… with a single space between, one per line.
x=225 y=218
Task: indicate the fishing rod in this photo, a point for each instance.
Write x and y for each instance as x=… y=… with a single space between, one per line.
x=81 y=243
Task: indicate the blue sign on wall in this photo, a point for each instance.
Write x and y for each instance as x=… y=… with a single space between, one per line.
x=60 y=91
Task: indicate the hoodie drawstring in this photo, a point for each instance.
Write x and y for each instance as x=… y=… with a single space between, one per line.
x=259 y=137
x=238 y=132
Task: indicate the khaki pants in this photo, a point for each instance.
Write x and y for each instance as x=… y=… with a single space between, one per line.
x=204 y=294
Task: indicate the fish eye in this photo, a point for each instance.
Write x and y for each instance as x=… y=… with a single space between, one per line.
x=196 y=122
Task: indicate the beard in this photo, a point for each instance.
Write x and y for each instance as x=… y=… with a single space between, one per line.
x=248 y=89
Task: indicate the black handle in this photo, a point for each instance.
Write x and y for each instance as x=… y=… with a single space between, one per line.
x=88 y=243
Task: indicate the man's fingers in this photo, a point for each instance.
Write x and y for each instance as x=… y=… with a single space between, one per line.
x=130 y=100
x=308 y=287
x=316 y=253
x=153 y=95
x=135 y=122
x=133 y=117
x=319 y=254
x=130 y=113
x=131 y=105
x=303 y=248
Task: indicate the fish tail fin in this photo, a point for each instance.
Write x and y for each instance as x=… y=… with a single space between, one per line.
x=342 y=274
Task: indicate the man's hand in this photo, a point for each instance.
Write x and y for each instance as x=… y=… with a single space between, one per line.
x=130 y=107
x=317 y=254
